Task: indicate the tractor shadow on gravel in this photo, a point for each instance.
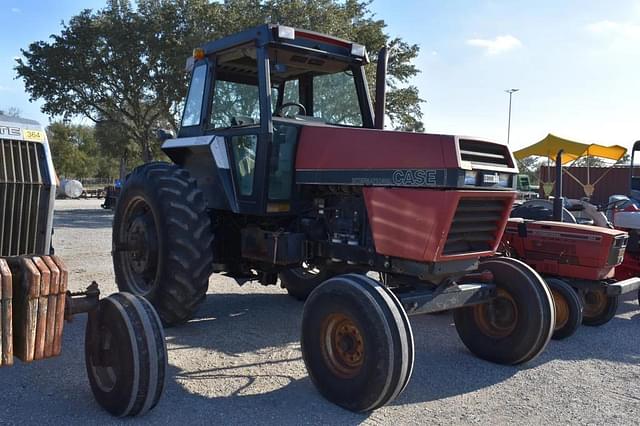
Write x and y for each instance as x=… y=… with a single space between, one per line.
x=83 y=218
x=237 y=324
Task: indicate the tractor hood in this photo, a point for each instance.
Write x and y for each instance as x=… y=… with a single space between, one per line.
x=368 y=157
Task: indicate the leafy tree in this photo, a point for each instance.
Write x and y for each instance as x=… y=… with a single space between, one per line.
x=69 y=145
x=125 y=64
x=529 y=166
x=589 y=161
x=76 y=152
x=11 y=112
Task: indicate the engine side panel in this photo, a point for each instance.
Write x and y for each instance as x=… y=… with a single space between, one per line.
x=431 y=226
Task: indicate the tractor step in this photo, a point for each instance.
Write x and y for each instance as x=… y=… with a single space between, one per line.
x=623 y=287
x=419 y=302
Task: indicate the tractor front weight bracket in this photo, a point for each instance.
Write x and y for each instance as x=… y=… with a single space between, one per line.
x=442 y=298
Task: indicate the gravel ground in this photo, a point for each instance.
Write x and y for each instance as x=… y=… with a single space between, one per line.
x=239 y=362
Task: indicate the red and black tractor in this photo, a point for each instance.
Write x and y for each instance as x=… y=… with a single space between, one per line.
x=578 y=261
x=282 y=169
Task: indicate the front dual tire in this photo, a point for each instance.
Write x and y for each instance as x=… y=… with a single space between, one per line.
x=358 y=346
x=356 y=342
x=517 y=325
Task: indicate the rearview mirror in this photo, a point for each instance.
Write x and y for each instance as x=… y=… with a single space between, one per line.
x=164 y=134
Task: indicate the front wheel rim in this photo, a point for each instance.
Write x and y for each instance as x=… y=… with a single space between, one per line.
x=499 y=317
x=562 y=310
x=595 y=303
x=342 y=345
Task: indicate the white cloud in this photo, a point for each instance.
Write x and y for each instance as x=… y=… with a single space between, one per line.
x=498 y=45
x=16 y=10
x=624 y=31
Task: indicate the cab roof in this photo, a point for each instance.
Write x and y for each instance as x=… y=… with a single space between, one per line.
x=271 y=34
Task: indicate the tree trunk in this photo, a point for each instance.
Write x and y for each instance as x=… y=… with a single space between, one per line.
x=146 y=152
x=123 y=166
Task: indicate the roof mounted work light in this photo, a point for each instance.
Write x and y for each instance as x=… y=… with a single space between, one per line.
x=286 y=33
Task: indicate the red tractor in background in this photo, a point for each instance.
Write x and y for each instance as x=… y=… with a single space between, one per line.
x=579 y=262
x=282 y=169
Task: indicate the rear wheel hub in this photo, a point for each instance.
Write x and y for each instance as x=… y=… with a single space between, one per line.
x=140 y=240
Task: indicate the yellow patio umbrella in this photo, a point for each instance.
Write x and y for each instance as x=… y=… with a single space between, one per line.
x=551 y=144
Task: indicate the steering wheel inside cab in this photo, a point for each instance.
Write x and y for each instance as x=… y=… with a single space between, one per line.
x=615 y=205
x=301 y=109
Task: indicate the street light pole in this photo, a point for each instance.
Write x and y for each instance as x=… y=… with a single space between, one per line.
x=510 y=92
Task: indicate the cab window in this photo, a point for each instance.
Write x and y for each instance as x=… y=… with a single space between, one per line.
x=244 y=153
x=335 y=99
x=234 y=104
x=193 y=106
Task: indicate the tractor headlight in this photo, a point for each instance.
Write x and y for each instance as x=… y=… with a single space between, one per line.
x=470 y=177
x=286 y=33
x=504 y=179
x=358 y=50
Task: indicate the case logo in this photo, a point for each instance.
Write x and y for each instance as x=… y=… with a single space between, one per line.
x=414 y=177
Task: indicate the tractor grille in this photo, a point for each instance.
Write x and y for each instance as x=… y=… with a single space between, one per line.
x=475 y=226
x=23 y=197
x=484 y=153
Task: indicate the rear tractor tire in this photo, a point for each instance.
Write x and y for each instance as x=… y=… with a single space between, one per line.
x=125 y=355
x=357 y=342
x=599 y=308
x=517 y=324
x=568 y=308
x=162 y=241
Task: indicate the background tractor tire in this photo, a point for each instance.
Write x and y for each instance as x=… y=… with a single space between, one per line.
x=568 y=308
x=356 y=342
x=516 y=326
x=125 y=355
x=162 y=241
x=300 y=282
x=599 y=308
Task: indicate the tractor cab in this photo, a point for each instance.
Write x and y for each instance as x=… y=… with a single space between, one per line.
x=249 y=96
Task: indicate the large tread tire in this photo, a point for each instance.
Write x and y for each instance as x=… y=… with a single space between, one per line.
x=299 y=282
x=127 y=372
x=513 y=338
x=599 y=308
x=568 y=308
x=176 y=283
x=379 y=359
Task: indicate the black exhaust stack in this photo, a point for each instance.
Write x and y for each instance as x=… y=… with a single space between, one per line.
x=634 y=190
x=381 y=87
x=558 y=198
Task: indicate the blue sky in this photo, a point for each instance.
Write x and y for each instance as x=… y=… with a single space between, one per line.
x=576 y=63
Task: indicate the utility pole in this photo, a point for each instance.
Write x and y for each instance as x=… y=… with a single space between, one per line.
x=510 y=92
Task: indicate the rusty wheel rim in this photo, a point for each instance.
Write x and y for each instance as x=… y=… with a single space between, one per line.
x=499 y=317
x=595 y=302
x=342 y=345
x=562 y=310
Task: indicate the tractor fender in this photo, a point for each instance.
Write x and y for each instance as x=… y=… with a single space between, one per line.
x=207 y=160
